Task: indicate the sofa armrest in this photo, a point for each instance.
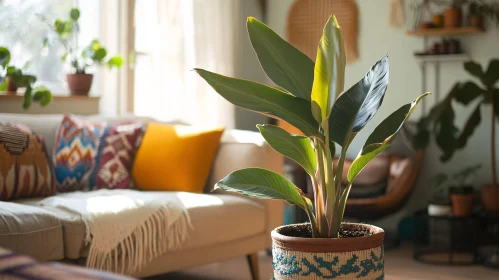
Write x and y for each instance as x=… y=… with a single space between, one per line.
x=242 y=149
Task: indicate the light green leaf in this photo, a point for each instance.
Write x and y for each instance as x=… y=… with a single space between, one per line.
x=43 y=95
x=263 y=99
x=295 y=147
x=283 y=63
x=382 y=136
x=329 y=73
x=115 y=61
x=4 y=56
x=64 y=56
x=358 y=105
x=262 y=183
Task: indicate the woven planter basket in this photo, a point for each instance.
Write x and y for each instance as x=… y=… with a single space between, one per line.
x=328 y=258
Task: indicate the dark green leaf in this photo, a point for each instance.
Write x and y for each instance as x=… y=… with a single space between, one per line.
x=43 y=95
x=358 y=105
x=329 y=72
x=474 y=69
x=264 y=99
x=469 y=128
x=262 y=183
x=115 y=61
x=74 y=14
x=492 y=75
x=297 y=148
x=382 y=136
x=283 y=63
x=468 y=92
x=446 y=132
x=27 y=98
x=495 y=102
x=99 y=55
x=4 y=56
x=59 y=26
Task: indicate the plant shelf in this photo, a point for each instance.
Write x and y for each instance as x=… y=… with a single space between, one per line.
x=462 y=57
x=466 y=30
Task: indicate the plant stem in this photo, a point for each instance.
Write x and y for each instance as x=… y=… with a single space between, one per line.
x=321 y=191
x=493 y=148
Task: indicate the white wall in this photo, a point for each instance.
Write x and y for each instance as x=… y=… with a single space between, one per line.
x=376 y=39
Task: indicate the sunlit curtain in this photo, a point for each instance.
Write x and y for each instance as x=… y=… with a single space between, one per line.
x=172 y=38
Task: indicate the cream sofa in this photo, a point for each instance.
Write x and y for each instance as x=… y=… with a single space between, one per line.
x=224 y=225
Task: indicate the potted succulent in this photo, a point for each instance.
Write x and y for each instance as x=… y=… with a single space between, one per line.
x=313 y=100
x=79 y=81
x=441 y=121
x=12 y=78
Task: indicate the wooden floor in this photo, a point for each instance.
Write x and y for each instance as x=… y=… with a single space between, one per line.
x=398 y=265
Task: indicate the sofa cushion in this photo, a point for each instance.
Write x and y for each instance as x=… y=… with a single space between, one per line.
x=25 y=167
x=31 y=230
x=215 y=219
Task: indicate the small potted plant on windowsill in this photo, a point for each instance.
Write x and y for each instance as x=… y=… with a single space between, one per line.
x=313 y=100
x=79 y=81
x=12 y=78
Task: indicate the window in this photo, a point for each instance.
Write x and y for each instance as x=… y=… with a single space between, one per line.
x=23 y=31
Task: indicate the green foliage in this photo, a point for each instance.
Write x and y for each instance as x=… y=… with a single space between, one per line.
x=316 y=105
x=93 y=54
x=22 y=80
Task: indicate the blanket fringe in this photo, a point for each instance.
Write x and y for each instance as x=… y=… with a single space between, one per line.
x=150 y=240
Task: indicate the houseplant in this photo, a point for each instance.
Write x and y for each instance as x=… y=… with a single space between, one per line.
x=441 y=121
x=459 y=188
x=478 y=10
x=439 y=204
x=79 y=81
x=12 y=78
x=314 y=101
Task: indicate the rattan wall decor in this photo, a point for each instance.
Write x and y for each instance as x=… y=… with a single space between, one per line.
x=306 y=20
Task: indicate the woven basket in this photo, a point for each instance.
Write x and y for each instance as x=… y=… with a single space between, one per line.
x=328 y=258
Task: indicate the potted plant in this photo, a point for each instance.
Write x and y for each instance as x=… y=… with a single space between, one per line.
x=476 y=15
x=453 y=14
x=313 y=100
x=441 y=121
x=12 y=78
x=79 y=81
x=440 y=204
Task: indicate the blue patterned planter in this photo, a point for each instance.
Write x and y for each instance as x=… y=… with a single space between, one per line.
x=328 y=258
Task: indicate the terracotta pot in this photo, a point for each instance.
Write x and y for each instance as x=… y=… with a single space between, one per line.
x=490 y=198
x=462 y=204
x=438 y=21
x=11 y=86
x=453 y=17
x=476 y=21
x=79 y=83
x=348 y=258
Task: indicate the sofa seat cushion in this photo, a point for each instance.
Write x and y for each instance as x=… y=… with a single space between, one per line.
x=31 y=230
x=215 y=219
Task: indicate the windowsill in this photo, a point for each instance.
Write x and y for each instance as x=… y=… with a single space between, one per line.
x=8 y=95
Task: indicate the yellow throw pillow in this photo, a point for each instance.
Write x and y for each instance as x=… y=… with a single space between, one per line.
x=175 y=157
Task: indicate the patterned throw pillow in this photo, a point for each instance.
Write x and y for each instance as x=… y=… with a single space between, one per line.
x=89 y=155
x=25 y=168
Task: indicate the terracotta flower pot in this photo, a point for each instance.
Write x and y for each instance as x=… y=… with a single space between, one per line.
x=476 y=21
x=438 y=21
x=79 y=83
x=462 y=201
x=453 y=17
x=490 y=198
x=327 y=258
x=11 y=86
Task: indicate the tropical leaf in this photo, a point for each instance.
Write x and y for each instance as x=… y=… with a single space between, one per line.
x=262 y=183
x=474 y=69
x=446 y=132
x=358 y=105
x=263 y=99
x=491 y=76
x=382 y=136
x=295 y=147
x=468 y=92
x=469 y=127
x=283 y=63
x=4 y=56
x=329 y=72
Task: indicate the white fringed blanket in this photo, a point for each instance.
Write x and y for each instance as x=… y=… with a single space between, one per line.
x=126 y=228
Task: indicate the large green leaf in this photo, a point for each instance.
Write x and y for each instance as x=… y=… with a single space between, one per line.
x=42 y=95
x=474 y=69
x=262 y=183
x=264 y=99
x=492 y=74
x=469 y=127
x=468 y=92
x=382 y=136
x=4 y=56
x=283 y=63
x=329 y=72
x=295 y=147
x=358 y=105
